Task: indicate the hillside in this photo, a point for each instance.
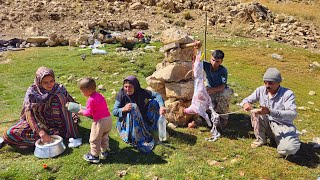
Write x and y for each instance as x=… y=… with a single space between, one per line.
x=77 y=21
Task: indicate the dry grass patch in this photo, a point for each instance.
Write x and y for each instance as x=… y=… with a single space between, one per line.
x=309 y=12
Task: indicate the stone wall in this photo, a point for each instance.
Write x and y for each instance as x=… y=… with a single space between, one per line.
x=173 y=77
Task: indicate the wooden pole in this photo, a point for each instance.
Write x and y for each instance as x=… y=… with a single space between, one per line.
x=205 y=37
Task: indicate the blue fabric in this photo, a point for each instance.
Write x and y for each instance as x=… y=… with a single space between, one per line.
x=215 y=78
x=140 y=96
x=135 y=130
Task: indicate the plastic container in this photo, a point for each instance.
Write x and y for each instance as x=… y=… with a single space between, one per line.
x=98 y=51
x=75 y=107
x=162 y=128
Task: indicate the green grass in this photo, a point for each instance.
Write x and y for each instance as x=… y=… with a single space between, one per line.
x=188 y=155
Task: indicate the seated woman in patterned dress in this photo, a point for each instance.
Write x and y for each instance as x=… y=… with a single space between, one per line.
x=138 y=111
x=44 y=113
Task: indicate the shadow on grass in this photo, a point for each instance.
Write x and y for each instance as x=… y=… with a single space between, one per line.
x=20 y=151
x=129 y=155
x=239 y=126
x=306 y=156
x=84 y=134
x=181 y=137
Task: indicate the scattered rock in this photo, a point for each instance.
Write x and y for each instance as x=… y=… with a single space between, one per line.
x=316 y=142
x=171 y=125
x=233 y=161
x=312 y=93
x=114 y=92
x=276 y=56
x=101 y=87
x=213 y=162
x=155 y=178
x=302 y=132
x=302 y=108
x=38 y=39
x=122 y=173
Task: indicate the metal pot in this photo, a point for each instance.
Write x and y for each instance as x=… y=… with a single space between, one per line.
x=55 y=148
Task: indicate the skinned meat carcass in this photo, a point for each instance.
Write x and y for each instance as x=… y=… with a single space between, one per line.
x=201 y=100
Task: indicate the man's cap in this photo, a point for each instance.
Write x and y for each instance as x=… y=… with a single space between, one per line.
x=272 y=75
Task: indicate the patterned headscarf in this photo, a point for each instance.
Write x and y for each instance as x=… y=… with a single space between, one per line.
x=37 y=94
x=40 y=74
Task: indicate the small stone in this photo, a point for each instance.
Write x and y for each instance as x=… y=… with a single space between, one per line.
x=101 y=87
x=213 y=162
x=172 y=126
x=122 y=173
x=276 y=56
x=304 y=131
x=70 y=78
x=114 y=92
x=311 y=93
x=302 y=108
x=310 y=102
x=233 y=161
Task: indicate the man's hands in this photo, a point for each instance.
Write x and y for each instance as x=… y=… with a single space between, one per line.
x=262 y=110
x=247 y=107
x=197 y=45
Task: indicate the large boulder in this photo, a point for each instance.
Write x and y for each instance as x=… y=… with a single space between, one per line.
x=154 y=83
x=175 y=35
x=179 y=54
x=174 y=72
x=180 y=90
x=37 y=39
x=140 y=25
x=175 y=112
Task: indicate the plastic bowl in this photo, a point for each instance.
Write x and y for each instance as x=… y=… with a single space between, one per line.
x=50 y=150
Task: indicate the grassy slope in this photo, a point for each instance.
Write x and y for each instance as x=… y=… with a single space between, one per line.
x=189 y=156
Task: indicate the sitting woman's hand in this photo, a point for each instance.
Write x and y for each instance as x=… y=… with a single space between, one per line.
x=162 y=110
x=127 y=107
x=45 y=138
